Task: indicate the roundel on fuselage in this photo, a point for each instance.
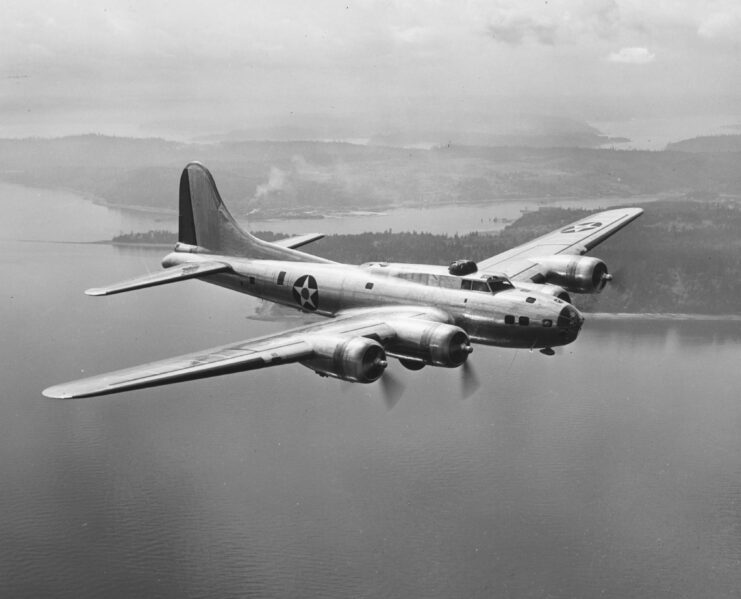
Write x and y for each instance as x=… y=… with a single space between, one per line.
x=306 y=292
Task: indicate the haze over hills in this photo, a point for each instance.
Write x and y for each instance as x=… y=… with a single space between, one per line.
x=502 y=130
x=277 y=177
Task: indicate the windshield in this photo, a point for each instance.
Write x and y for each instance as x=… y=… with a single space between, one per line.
x=499 y=283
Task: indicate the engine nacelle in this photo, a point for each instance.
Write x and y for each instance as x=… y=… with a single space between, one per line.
x=354 y=359
x=577 y=274
x=434 y=343
x=545 y=289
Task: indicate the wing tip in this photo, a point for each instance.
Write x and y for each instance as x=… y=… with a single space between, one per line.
x=96 y=291
x=57 y=392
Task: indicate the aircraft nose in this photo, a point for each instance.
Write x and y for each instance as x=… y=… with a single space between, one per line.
x=570 y=319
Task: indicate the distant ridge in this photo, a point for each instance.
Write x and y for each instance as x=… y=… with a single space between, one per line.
x=708 y=144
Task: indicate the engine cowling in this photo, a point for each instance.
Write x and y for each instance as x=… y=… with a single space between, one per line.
x=354 y=359
x=577 y=274
x=434 y=343
x=545 y=289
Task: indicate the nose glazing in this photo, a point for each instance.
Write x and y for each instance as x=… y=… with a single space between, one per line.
x=569 y=318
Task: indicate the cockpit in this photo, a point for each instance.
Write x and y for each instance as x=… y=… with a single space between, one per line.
x=491 y=284
x=498 y=283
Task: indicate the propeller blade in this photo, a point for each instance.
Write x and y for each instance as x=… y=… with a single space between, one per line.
x=469 y=380
x=392 y=390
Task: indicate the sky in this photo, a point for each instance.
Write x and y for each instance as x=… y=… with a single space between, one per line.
x=186 y=68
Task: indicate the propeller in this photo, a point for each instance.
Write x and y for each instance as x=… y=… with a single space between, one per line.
x=392 y=389
x=469 y=380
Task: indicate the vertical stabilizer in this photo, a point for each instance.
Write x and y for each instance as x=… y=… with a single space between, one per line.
x=204 y=221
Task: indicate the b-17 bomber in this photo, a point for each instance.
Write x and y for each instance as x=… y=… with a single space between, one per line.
x=421 y=315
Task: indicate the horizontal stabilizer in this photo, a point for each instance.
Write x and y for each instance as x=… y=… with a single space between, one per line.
x=169 y=275
x=297 y=242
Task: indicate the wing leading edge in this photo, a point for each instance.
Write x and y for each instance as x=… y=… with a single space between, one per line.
x=291 y=346
x=576 y=238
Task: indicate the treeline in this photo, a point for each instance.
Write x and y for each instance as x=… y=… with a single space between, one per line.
x=155 y=237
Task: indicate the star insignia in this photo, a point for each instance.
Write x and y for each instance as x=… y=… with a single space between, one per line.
x=581 y=227
x=306 y=292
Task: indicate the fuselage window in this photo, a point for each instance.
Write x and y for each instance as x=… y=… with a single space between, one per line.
x=281 y=277
x=509 y=319
x=474 y=285
x=530 y=300
x=524 y=321
x=369 y=285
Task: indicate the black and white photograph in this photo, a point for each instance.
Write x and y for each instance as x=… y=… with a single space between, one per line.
x=370 y=299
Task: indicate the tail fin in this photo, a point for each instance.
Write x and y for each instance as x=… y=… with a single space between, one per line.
x=204 y=221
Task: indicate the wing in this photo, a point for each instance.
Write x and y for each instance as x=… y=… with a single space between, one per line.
x=577 y=238
x=283 y=348
x=191 y=270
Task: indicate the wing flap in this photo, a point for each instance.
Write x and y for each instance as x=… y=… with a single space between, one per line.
x=192 y=270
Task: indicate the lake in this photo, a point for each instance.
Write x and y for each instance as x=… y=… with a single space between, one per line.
x=611 y=469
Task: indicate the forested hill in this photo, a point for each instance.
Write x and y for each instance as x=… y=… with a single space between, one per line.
x=680 y=256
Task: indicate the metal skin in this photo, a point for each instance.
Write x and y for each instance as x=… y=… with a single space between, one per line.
x=551 y=321
x=419 y=314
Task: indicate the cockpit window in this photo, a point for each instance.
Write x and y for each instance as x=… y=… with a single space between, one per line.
x=499 y=283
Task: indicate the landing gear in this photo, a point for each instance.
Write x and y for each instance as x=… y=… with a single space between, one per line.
x=547 y=351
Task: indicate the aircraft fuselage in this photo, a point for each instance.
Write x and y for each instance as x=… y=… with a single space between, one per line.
x=509 y=318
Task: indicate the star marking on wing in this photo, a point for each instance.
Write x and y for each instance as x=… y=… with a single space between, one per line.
x=581 y=227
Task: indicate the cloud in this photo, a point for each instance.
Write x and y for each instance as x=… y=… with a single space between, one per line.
x=724 y=24
x=633 y=55
x=551 y=22
x=514 y=29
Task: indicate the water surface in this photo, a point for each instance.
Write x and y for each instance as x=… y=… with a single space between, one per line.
x=611 y=469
